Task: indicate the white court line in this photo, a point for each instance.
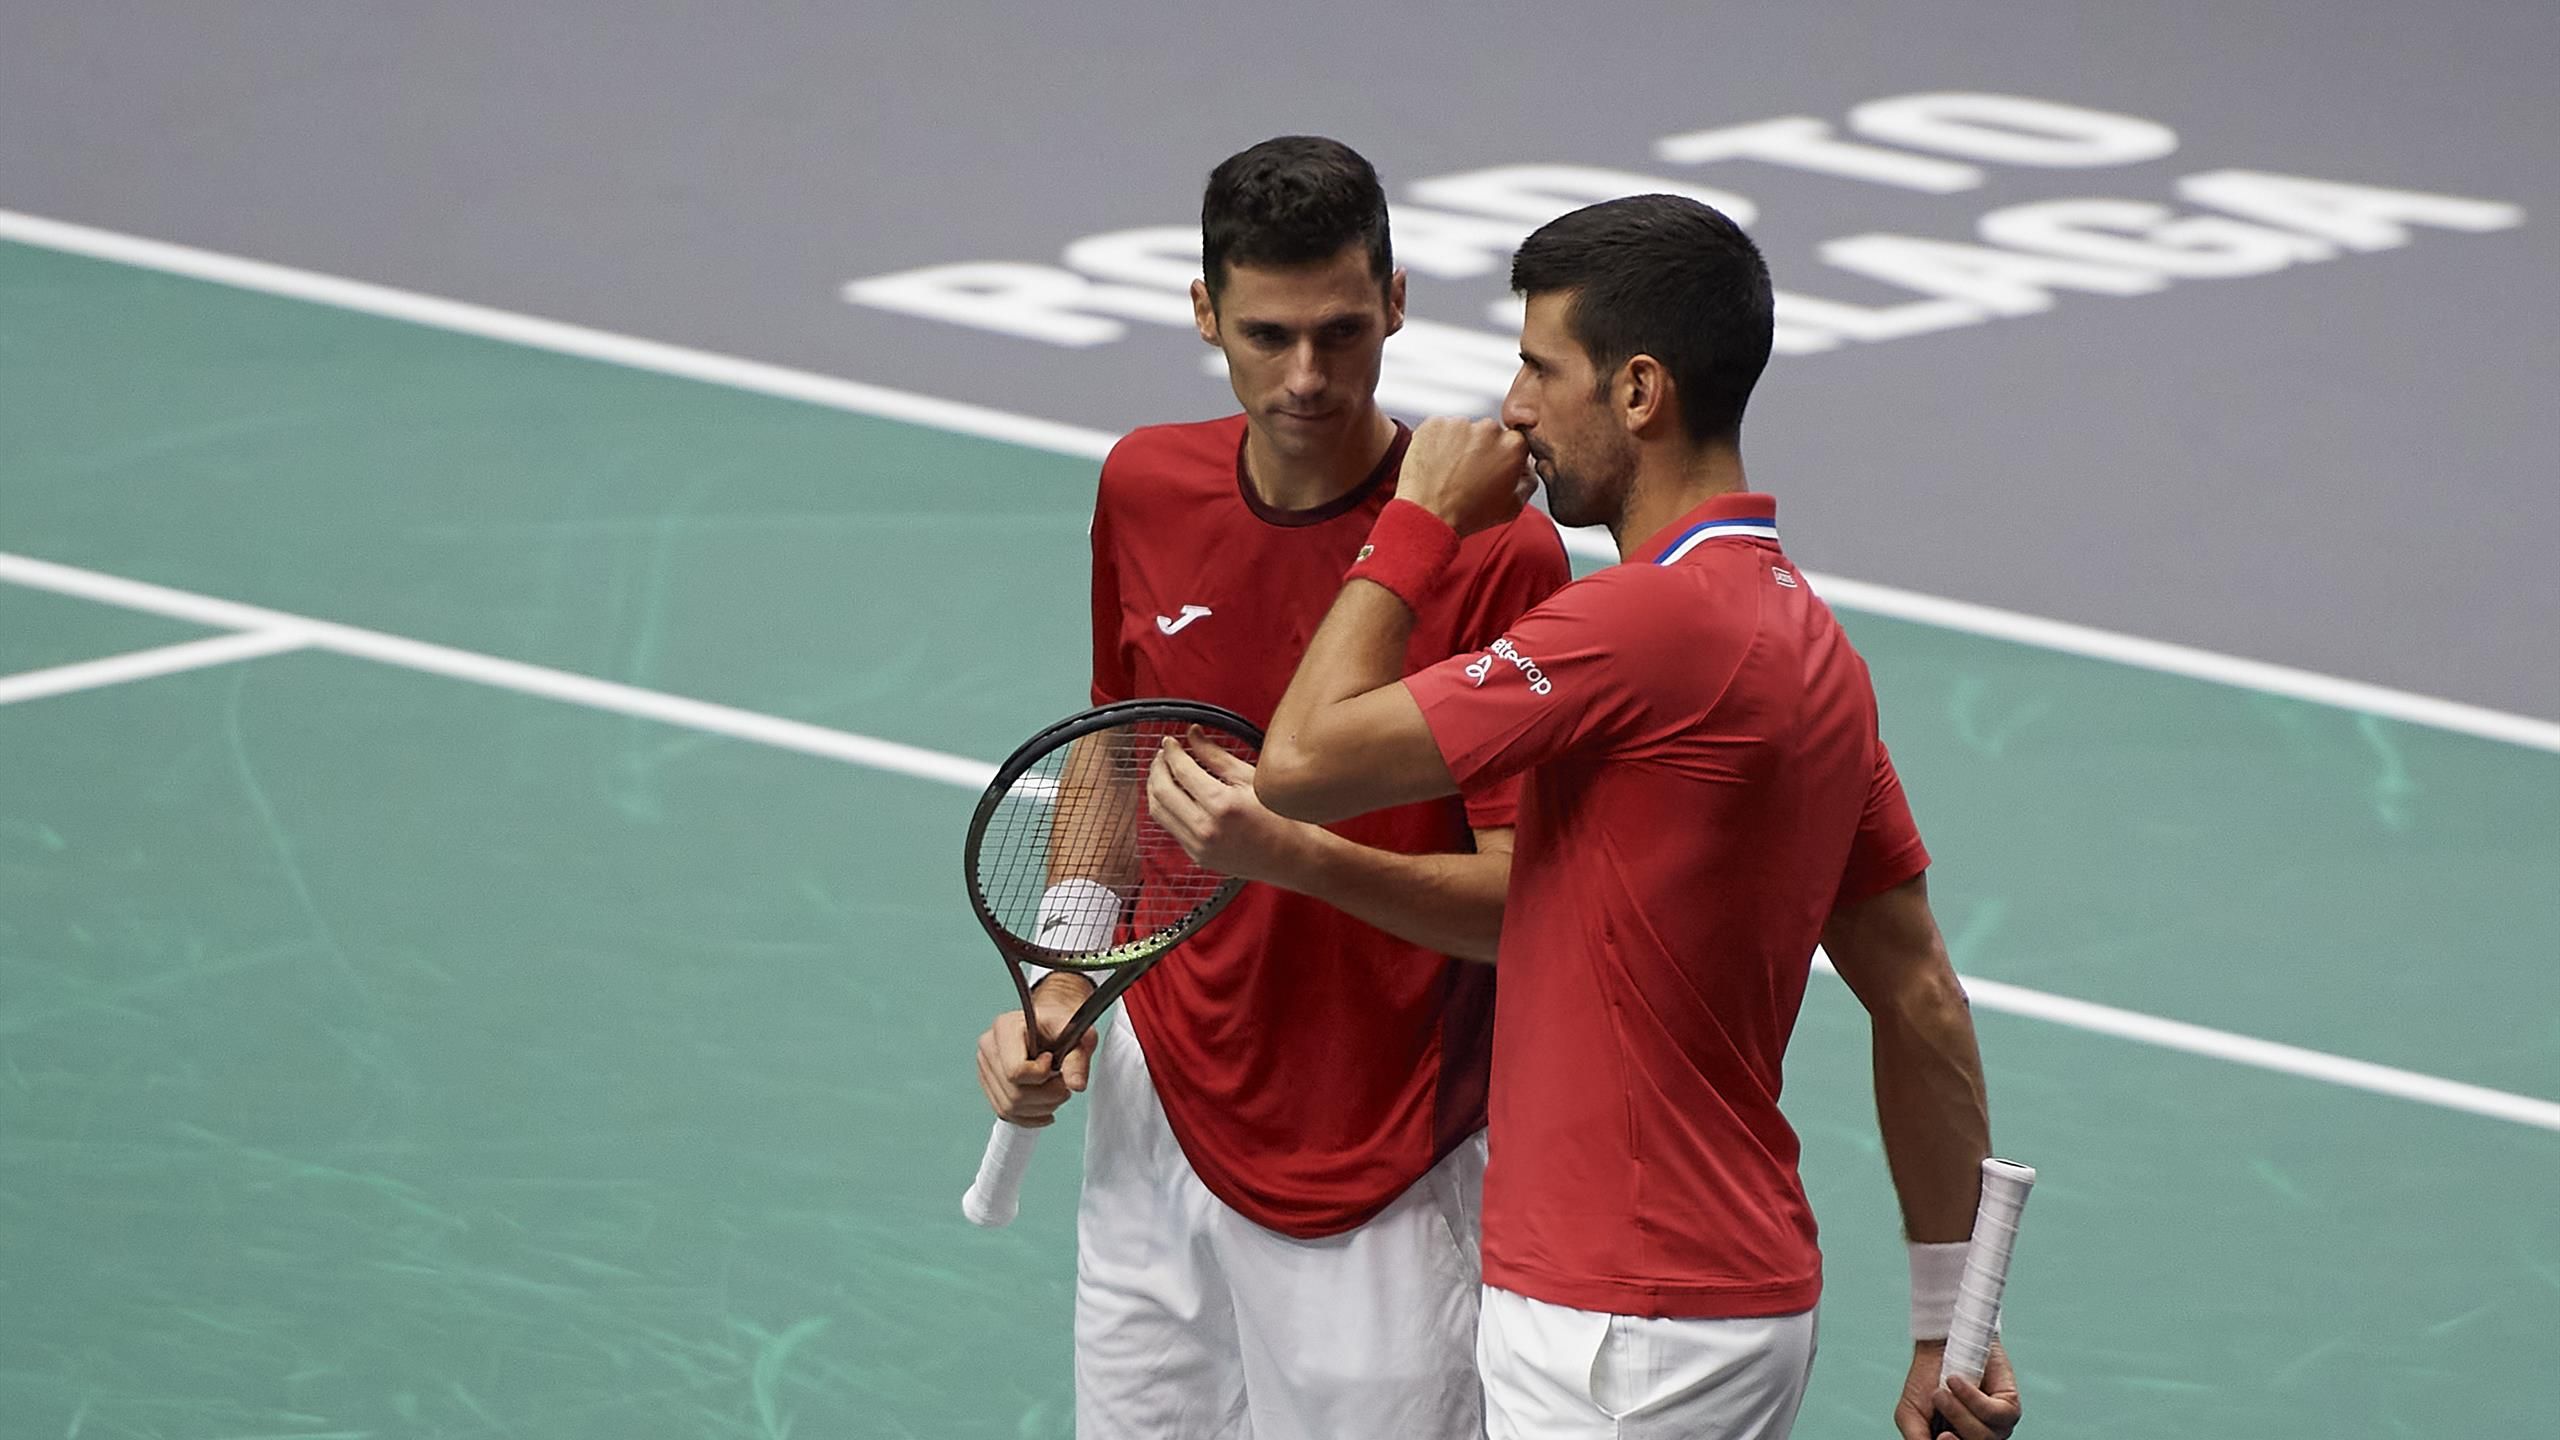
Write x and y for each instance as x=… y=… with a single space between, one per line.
x=2155 y=655
x=553 y=335
x=502 y=674
x=974 y=775
x=144 y=664
x=2250 y=1051
x=952 y=415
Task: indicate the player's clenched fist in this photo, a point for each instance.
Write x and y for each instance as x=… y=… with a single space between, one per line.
x=1474 y=474
x=1025 y=1091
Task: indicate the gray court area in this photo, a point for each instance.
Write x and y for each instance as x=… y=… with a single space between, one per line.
x=388 y=1050
x=2335 y=466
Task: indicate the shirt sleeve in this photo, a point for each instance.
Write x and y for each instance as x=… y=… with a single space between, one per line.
x=1564 y=678
x=1527 y=567
x=1887 y=850
x=1112 y=680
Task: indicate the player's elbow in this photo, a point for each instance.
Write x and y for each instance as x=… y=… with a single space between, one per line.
x=1293 y=779
x=1914 y=994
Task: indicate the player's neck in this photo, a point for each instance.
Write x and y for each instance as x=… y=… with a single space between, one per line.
x=1668 y=485
x=1314 y=478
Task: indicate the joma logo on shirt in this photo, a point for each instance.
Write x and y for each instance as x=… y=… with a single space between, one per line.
x=1539 y=684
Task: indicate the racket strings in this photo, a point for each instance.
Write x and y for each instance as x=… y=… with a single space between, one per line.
x=1080 y=812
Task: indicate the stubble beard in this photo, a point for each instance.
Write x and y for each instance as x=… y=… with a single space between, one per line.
x=1583 y=495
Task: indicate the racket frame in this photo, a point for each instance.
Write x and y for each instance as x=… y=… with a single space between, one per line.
x=1129 y=959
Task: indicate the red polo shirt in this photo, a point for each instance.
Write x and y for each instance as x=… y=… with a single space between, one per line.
x=1705 y=785
x=1311 y=1065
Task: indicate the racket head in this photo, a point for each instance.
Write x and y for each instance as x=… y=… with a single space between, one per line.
x=1071 y=803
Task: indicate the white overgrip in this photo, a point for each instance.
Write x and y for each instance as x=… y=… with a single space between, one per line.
x=1986 y=1268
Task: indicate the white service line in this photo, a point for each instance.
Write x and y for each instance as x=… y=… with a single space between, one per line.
x=965 y=419
x=144 y=664
x=502 y=674
x=974 y=775
x=2250 y=1051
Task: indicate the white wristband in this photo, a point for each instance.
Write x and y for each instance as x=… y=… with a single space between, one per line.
x=1936 y=1272
x=1077 y=916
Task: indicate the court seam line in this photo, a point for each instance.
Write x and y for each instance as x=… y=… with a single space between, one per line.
x=888 y=755
x=959 y=417
x=71 y=679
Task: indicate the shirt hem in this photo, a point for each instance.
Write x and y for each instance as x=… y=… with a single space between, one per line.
x=1301 y=1222
x=1661 y=1301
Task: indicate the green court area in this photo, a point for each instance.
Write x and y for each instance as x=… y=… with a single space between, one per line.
x=388 y=1054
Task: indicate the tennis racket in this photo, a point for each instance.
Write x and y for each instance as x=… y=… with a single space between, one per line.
x=1068 y=871
x=1986 y=1273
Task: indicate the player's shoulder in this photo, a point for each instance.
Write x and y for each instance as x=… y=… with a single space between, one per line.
x=1155 y=453
x=1637 y=602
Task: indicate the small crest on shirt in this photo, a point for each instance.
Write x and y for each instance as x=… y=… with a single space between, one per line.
x=1779 y=574
x=1365 y=552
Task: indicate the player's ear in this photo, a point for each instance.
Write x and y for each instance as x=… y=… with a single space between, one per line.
x=1204 y=311
x=1395 y=301
x=1643 y=394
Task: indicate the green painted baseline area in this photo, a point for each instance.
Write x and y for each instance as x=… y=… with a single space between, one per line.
x=384 y=1054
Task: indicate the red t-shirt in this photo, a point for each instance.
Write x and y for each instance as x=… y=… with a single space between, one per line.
x=1706 y=785
x=1312 y=1066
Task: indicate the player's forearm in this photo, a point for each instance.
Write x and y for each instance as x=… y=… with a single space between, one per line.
x=1930 y=1104
x=1449 y=903
x=1359 y=647
x=1088 y=838
x=1311 y=767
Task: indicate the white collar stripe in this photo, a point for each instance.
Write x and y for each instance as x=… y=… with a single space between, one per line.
x=1746 y=529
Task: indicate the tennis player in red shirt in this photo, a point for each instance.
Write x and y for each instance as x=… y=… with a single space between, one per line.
x=1707 y=799
x=1283 y=1146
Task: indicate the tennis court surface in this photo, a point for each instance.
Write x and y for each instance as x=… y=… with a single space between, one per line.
x=403 y=1034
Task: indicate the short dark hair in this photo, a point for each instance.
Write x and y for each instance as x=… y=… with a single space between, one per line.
x=1294 y=200
x=1665 y=276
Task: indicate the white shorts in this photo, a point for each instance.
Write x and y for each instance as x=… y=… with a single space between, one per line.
x=1192 y=1321
x=1552 y=1372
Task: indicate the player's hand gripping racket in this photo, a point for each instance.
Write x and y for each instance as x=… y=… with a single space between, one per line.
x=1068 y=871
x=1986 y=1274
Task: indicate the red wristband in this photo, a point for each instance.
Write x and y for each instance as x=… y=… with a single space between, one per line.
x=1407 y=550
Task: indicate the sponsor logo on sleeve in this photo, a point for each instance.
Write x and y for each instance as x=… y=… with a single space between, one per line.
x=1503 y=649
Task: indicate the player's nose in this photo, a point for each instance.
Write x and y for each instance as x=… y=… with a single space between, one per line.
x=1305 y=377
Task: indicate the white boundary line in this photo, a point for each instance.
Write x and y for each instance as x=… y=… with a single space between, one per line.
x=272 y=626
x=954 y=416
x=144 y=664
x=553 y=335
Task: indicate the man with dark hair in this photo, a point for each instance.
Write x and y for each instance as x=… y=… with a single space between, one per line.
x=1707 y=798
x=1294 y=201
x=1283 y=1146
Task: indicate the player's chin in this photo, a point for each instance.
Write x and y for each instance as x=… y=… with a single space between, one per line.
x=1305 y=426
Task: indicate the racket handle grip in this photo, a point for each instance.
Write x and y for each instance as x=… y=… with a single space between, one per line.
x=996 y=1195
x=2005 y=1185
